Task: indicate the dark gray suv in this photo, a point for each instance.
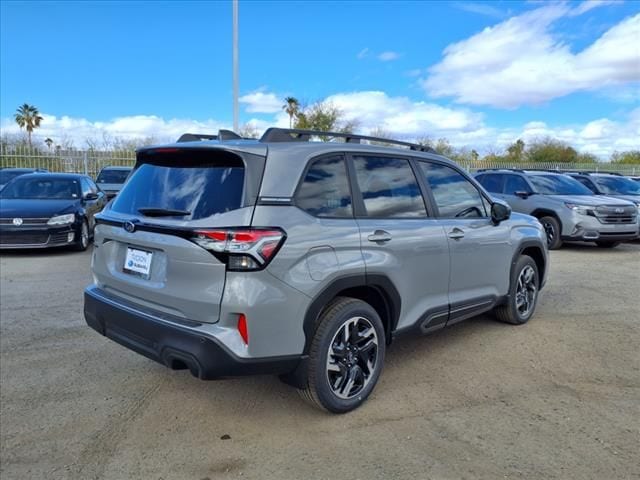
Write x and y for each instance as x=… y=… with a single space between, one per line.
x=304 y=259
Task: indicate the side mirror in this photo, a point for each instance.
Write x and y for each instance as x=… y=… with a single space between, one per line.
x=500 y=212
x=91 y=196
x=522 y=194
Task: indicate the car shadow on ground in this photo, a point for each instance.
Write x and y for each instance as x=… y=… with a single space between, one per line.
x=592 y=247
x=265 y=392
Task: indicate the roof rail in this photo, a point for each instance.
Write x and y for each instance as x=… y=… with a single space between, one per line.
x=196 y=137
x=299 y=135
x=228 y=135
x=221 y=136
x=498 y=169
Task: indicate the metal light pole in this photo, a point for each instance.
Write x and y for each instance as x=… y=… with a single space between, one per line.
x=235 y=65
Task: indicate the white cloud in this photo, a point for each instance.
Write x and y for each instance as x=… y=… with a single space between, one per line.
x=401 y=117
x=260 y=101
x=364 y=53
x=79 y=130
x=521 y=61
x=388 y=56
x=590 y=5
x=481 y=9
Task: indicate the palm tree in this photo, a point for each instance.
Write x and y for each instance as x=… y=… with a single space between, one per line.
x=28 y=117
x=48 y=142
x=291 y=106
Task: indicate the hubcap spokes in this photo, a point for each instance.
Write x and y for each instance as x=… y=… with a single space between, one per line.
x=352 y=357
x=526 y=291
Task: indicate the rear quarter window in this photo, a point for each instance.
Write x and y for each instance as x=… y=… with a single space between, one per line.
x=325 y=192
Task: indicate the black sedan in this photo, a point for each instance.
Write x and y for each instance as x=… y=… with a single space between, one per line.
x=40 y=210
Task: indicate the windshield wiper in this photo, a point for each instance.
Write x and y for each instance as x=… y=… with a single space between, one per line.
x=163 y=212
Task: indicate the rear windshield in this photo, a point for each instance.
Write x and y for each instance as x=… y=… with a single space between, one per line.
x=42 y=188
x=7 y=175
x=112 y=176
x=558 y=185
x=188 y=185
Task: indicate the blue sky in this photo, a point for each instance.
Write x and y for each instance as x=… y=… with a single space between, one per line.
x=478 y=73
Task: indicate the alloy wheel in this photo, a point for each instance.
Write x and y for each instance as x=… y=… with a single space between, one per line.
x=526 y=291
x=550 y=231
x=352 y=358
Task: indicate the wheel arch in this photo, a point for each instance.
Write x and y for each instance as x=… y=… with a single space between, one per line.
x=543 y=212
x=534 y=250
x=376 y=290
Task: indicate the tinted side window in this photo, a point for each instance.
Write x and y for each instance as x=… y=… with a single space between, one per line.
x=389 y=187
x=587 y=183
x=515 y=183
x=325 y=189
x=454 y=194
x=492 y=182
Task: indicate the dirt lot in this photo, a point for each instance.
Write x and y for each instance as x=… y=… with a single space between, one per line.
x=557 y=398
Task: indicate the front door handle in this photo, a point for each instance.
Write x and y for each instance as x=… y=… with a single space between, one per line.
x=456 y=234
x=379 y=236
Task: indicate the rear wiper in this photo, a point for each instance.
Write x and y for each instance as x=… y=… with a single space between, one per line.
x=163 y=212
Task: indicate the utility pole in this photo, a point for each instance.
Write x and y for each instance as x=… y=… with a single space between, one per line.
x=235 y=65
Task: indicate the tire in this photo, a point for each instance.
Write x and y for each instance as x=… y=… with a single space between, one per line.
x=604 y=244
x=553 y=231
x=337 y=379
x=82 y=243
x=523 y=293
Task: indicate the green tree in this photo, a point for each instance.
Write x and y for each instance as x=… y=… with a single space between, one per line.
x=28 y=117
x=587 y=158
x=549 y=150
x=325 y=117
x=515 y=151
x=629 y=157
x=292 y=107
x=48 y=142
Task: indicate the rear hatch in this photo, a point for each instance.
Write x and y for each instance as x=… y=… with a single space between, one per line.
x=147 y=247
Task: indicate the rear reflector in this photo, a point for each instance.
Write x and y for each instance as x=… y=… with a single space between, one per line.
x=242 y=328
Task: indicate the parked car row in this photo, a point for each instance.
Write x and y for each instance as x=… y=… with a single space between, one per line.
x=39 y=209
x=606 y=214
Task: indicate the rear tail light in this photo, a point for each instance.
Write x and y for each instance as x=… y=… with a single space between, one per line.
x=242 y=249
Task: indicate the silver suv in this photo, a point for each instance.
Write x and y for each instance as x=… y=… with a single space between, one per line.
x=304 y=259
x=566 y=208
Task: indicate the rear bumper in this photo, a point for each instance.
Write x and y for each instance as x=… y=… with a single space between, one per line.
x=174 y=345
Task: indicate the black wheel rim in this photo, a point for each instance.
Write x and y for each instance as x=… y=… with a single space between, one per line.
x=526 y=291
x=550 y=230
x=352 y=358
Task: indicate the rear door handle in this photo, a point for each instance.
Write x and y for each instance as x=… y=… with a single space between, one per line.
x=379 y=236
x=456 y=234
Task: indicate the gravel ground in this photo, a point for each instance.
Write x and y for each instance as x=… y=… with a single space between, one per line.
x=556 y=398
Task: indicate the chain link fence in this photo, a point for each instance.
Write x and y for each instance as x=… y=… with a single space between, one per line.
x=92 y=161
